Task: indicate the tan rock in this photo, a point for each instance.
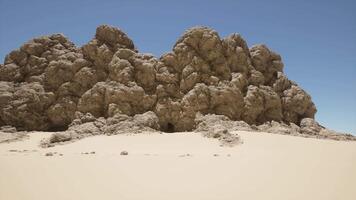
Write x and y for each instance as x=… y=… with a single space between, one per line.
x=48 y=80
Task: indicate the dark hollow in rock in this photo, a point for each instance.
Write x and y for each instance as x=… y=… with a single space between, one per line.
x=169 y=128
x=57 y=128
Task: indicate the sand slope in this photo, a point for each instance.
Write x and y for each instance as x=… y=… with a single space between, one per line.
x=266 y=166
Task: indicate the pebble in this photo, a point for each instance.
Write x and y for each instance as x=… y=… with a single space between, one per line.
x=49 y=154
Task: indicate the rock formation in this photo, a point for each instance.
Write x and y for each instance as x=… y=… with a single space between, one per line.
x=49 y=83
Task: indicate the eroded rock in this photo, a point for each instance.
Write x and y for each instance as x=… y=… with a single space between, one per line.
x=48 y=80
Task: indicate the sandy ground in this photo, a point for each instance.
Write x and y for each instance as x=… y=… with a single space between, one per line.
x=265 y=166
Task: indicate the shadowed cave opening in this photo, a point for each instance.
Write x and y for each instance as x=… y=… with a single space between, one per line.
x=169 y=128
x=58 y=128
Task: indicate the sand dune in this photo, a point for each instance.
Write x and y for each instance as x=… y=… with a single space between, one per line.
x=265 y=166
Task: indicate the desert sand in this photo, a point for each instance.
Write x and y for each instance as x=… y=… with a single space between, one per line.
x=178 y=166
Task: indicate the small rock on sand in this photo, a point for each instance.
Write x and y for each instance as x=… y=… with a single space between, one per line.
x=124 y=153
x=185 y=155
x=49 y=154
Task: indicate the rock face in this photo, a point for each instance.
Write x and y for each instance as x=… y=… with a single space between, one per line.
x=48 y=82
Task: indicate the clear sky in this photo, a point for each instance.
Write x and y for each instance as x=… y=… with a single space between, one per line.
x=316 y=38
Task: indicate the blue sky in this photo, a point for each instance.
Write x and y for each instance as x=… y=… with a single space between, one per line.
x=317 y=39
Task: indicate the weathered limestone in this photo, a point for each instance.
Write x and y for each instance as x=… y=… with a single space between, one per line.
x=48 y=80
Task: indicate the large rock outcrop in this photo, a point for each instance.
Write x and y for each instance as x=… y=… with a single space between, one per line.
x=47 y=81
